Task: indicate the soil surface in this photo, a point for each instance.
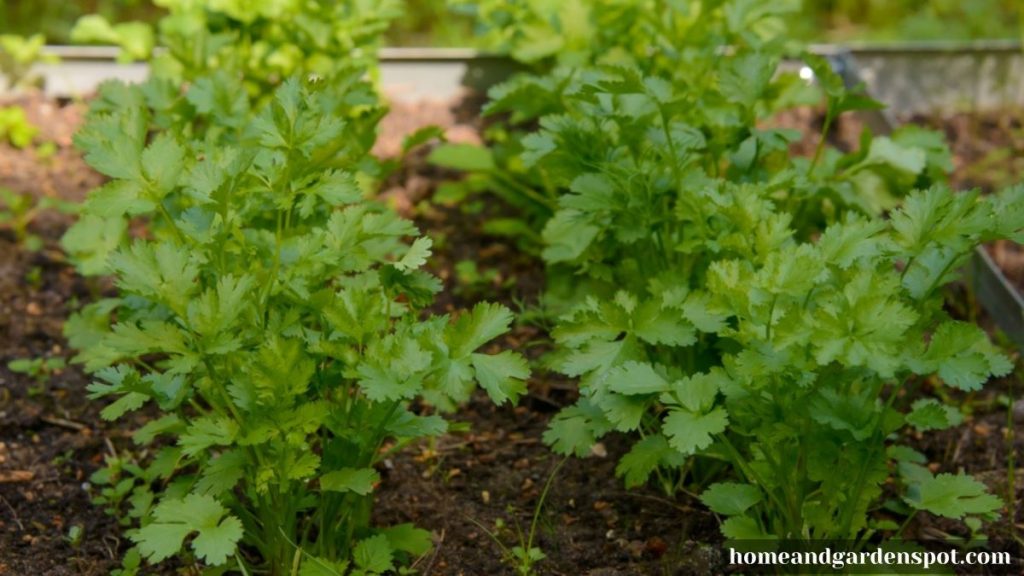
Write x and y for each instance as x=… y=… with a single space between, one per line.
x=460 y=487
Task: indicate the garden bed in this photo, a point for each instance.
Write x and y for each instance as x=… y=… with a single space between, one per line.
x=52 y=439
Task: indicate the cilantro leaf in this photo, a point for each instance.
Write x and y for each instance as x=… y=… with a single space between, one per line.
x=930 y=414
x=358 y=480
x=689 y=432
x=952 y=496
x=173 y=519
x=502 y=375
x=730 y=498
x=374 y=555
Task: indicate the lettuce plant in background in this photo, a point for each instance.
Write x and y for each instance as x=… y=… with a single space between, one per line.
x=264 y=41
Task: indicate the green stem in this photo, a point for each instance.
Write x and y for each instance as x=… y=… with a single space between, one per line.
x=540 y=503
x=829 y=117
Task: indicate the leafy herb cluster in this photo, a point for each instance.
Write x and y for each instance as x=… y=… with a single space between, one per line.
x=274 y=320
x=268 y=310
x=748 y=314
x=759 y=322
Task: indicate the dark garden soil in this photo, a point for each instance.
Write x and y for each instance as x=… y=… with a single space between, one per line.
x=460 y=487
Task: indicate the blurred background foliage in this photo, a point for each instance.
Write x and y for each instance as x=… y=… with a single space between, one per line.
x=434 y=23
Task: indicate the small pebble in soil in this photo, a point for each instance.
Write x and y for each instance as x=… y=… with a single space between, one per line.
x=636 y=548
x=1018 y=411
x=657 y=547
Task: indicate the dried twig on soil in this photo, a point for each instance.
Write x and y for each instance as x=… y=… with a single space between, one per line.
x=63 y=423
x=433 y=557
x=14 y=514
x=16 y=476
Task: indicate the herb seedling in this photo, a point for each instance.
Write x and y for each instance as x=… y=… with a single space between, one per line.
x=524 y=556
x=19 y=211
x=40 y=370
x=15 y=127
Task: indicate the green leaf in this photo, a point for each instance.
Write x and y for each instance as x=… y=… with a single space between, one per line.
x=408 y=538
x=930 y=414
x=358 y=480
x=636 y=378
x=221 y=474
x=963 y=356
x=416 y=256
x=373 y=554
x=422 y=136
x=656 y=325
x=127 y=403
x=214 y=544
x=92 y=240
x=119 y=198
x=474 y=329
x=207 y=431
x=174 y=519
x=952 y=496
x=163 y=162
x=502 y=375
x=689 y=433
x=885 y=151
x=465 y=157
x=743 y=528
x=730 y=498
x=646 y=455
x=575 y=429
x=567 y=235
x=316 y=566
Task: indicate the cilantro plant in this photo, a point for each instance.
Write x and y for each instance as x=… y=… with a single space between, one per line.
x=274 y=317
x=264 y=41
x=786 y=359
x=656 y=93
x=747 y=314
